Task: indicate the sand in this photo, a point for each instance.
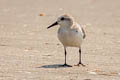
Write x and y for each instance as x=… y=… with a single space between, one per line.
x=28 y=51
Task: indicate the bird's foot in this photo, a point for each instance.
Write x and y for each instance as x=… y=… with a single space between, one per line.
x=80 y=64
x=66 y=65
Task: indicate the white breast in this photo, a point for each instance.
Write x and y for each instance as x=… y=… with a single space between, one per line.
x=70 y=37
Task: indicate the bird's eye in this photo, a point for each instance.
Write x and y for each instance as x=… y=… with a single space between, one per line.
x=62 y=18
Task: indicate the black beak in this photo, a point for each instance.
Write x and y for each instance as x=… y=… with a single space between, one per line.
x=56 y=23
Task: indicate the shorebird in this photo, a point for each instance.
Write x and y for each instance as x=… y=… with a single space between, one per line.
x=70 y=34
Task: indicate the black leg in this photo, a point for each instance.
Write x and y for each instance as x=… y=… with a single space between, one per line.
x=80 y=60
x=65 y=55
x=80 y=56
x=65 y=64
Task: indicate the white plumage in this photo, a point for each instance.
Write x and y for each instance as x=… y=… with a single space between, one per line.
x=70 y=34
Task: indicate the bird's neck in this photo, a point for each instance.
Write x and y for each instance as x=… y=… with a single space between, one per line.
x=67 y=25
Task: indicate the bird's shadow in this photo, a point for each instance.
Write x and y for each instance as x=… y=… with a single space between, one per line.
x=55 y=66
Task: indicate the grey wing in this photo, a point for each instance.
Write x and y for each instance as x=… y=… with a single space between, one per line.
x=84 y=34
x=75 y=27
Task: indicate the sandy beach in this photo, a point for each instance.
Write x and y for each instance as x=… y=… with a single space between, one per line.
x=29 y=51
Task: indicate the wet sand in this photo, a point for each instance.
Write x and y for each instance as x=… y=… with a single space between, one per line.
x=28 y=51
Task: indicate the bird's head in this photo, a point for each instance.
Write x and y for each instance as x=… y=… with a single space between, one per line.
x=63 y=21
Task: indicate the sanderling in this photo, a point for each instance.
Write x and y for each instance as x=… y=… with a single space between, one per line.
x=70 y=34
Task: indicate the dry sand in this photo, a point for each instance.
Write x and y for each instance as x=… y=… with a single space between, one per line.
x=28 y=51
